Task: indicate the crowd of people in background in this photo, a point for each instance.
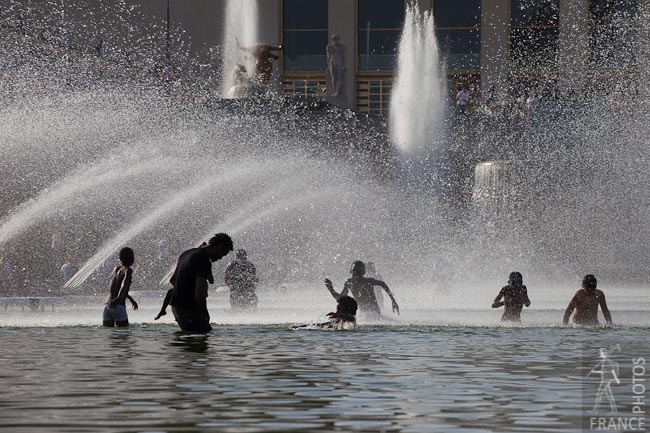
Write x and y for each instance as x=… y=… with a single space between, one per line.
x=527 y=102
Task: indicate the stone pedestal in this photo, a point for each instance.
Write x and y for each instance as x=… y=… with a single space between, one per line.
x=338 y=100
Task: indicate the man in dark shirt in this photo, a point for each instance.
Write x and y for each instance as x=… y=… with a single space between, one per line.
x=363 y=291
x=190 y=280
x=515 y=296
x=585 y=302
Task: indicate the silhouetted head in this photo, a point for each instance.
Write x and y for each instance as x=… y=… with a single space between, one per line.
x=358 y=269
x=127 y=256
x=335 y=38
x=218 y=246
x=515 y=279
x=589 y=283
x=241 y=254
x=346 y=306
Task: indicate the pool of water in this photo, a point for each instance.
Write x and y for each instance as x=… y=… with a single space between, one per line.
x=270 y=378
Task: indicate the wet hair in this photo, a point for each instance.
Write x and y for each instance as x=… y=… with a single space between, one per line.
x=589 y=282
x=358 y=269
x=346 y=309
x=127 y=256
x=515 y=278
x=222 y=240
x=346 y=306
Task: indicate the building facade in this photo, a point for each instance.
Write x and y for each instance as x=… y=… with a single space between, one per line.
x=552 y=47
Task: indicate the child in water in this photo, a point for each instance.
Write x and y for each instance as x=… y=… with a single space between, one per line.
x=345 y=316
x=585 y=302
x=515 y=296
x=115 y=308
x=363 y=290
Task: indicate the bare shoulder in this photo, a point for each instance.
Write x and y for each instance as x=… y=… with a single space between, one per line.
x=125 y=270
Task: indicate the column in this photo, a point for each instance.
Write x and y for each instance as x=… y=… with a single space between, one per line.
x=573 y=45
x=643 y=52
x=495 y=44
x=270 y=32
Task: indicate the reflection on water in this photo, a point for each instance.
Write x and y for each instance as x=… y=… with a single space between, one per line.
x=269 y=378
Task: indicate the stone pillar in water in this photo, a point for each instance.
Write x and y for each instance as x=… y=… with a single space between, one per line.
x=500 y=189
x=490 y=180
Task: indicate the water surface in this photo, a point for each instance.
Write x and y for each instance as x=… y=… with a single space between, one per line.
x=263 y=378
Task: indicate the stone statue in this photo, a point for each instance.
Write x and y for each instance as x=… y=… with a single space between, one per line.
x=239 y=88
x=335 y=65
x=263 y=59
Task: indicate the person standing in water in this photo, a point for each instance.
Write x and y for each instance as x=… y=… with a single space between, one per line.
x=362 y=289
x=115 y=308
x=371 y=272
x=585 y=302
x=190 y=280
x=241 y=277
x=515 y=297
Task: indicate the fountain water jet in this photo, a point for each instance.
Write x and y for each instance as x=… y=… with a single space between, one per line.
x=153 y=215
x=240 y=29
x=234 y=224
x=62 y=195
x=418 y=99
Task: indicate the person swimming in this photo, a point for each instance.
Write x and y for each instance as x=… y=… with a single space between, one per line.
x=585 y=302
x=515 y=297
x=345 y=316
x=362 y=290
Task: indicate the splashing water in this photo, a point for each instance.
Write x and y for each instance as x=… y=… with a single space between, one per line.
x=119 y=162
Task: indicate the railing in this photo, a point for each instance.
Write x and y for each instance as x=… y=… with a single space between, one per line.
x=304 y=86
x=373 y=94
